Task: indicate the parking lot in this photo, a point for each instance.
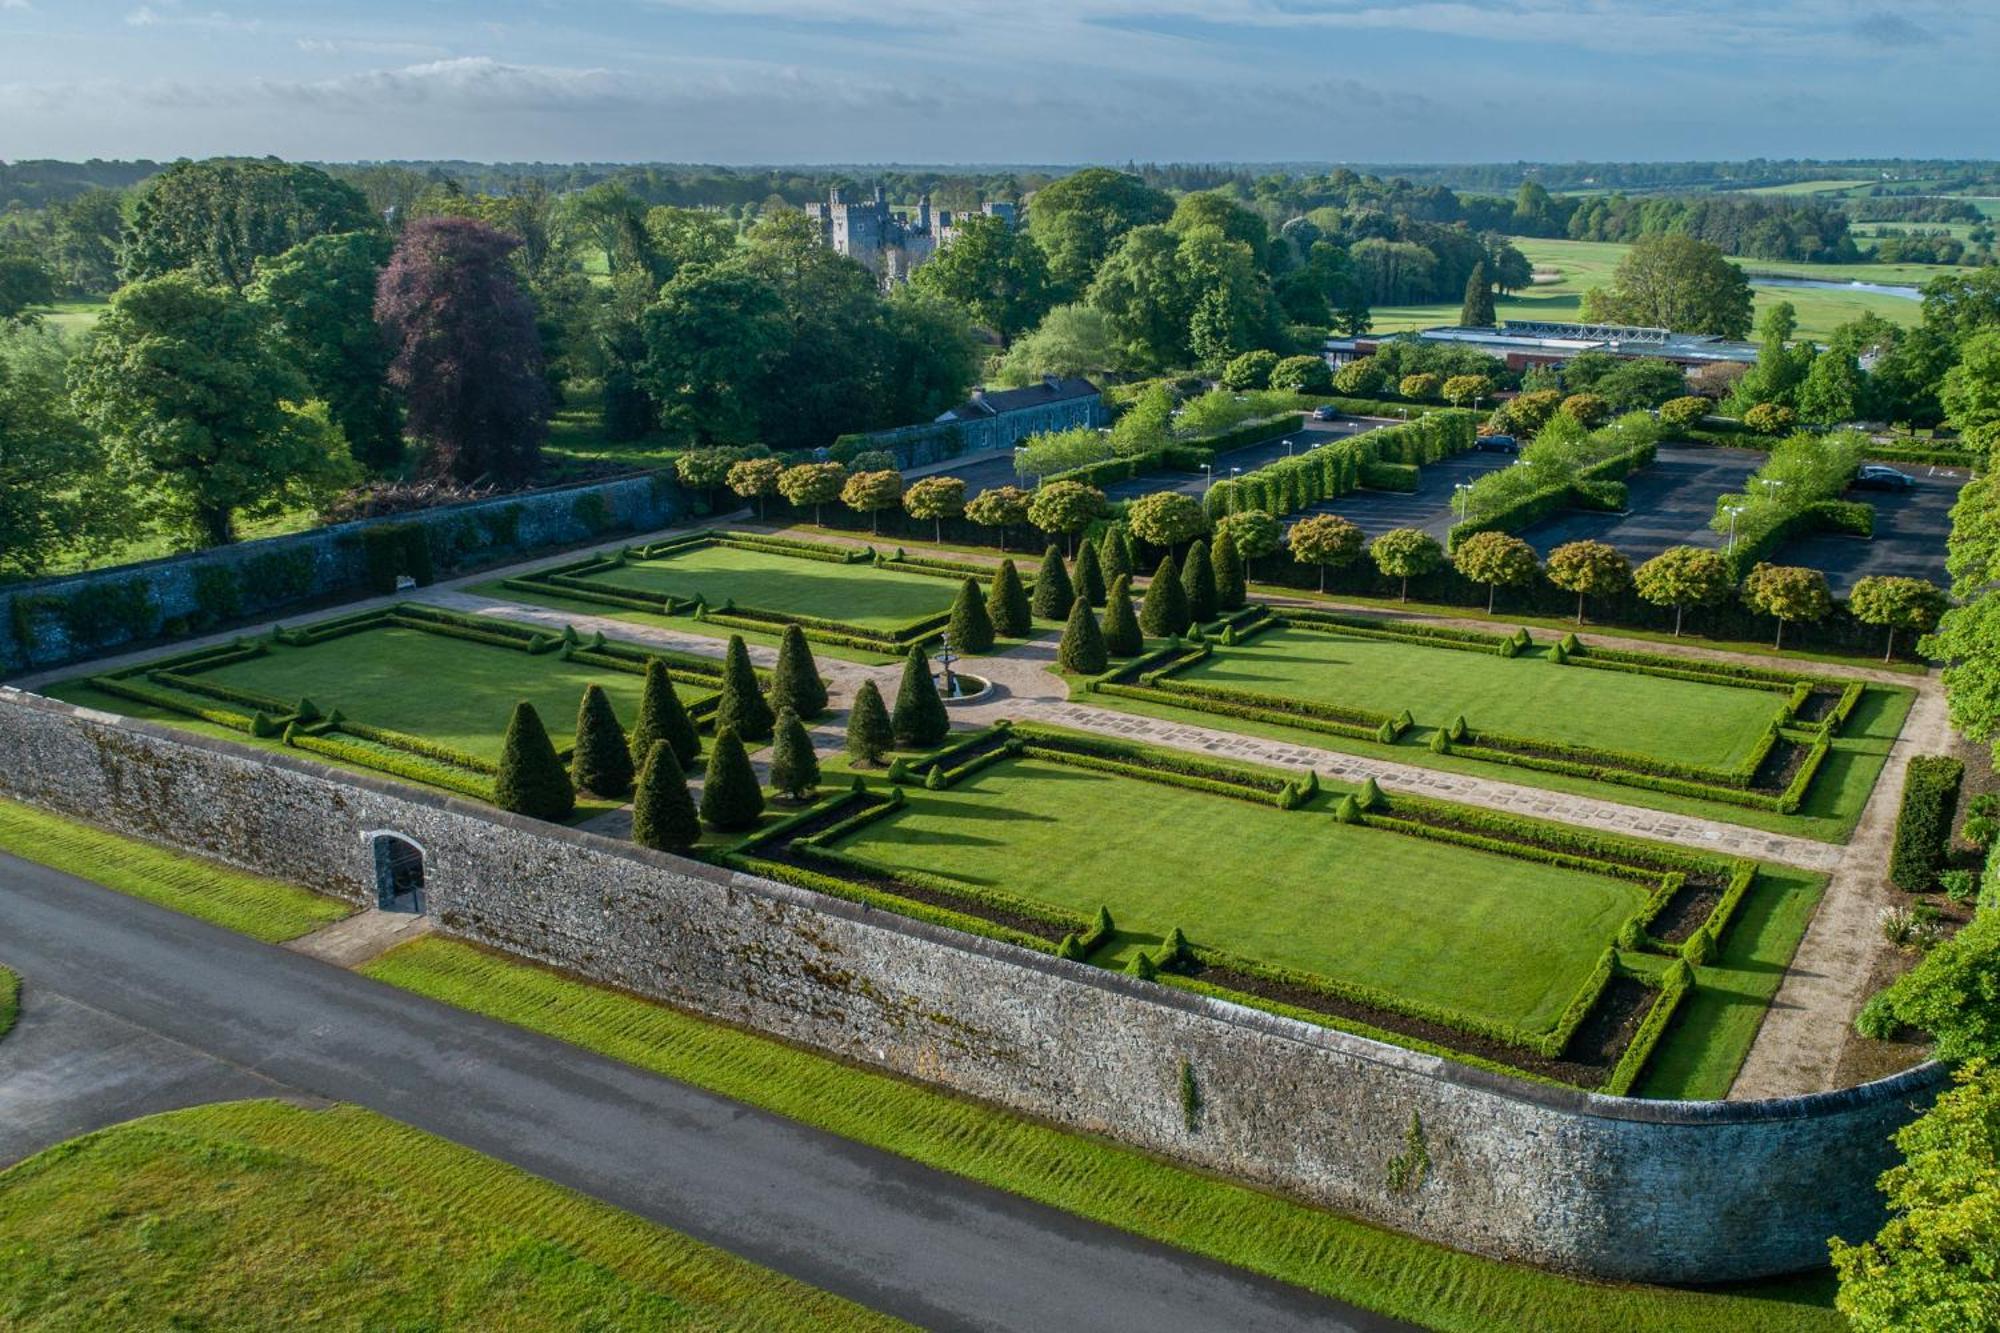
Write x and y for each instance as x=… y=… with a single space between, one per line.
x=1429 y=507
x=1910 y=528
x=1670 y=504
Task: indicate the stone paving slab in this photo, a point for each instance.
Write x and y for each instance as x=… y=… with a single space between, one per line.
x=352 y=941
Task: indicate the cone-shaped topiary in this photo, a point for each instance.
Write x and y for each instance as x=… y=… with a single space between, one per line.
x=795 y=684
x=663 y=815
x=1165 y=610
x=1142 y=966
x=600 y=763
x=1227 y=562
x=1347 y=810
x=1369 y=797
x=731 y=800
x=531 y=780
x=1173 y=949
x=1111 y=557
x=1007 y=604
x=742 y=708
x=971 y=627
x=1440 y=741
x=869 y=734
x=1082 y=651
x=1089 y=575
x=794 y=766
x=1053 y=591
x=661 y=718
x=1198 y=580
x=1122 y=635
x=919 y=719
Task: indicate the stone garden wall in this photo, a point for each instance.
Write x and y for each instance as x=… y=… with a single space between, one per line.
x=1608 y=1187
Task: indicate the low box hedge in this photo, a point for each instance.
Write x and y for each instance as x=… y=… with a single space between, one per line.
x=1632 y=1061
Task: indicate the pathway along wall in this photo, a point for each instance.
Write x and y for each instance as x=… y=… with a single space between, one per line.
x=1613 y=1188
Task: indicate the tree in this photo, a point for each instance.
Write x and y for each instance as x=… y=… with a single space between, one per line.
x=320 y=299
x=814 y=484
x=731 y=800
x=1122 y=635
x=1685 y=412
x=754 y=479
x=1066 y=507
x=1477 y=312
x=216 y=219
x=1053 y=590
x=1165 y=610
x=1770 y=419
x=795 y=681
x=1496 y=559
x=971 y=627
x=1589 y=569
x=1832 y=390
x=465 y=351
x=1115 y=551
x=992 y=270
x=1198 y=582
x=870 y=734
x=870 y=493
x=1971 y=390
x=920 y=719
x=1683 y=576
x=1071 y=340
x=710 y=342
x=531 y=780
x=24 y=282
x=1406 y=553
x=198 y=410
x=1082 y=651
x=661 y=718
x=1007 y=605
x=1078 y=218
x=1588 y=410
x=1088 y=575
x=1303 y=374
x=1142 y=287
x=741 y=708
x=1465 y=390
x=1361 y=378
x=600 y=763
x=794 y=766
x=1165 y=519
x=1788 y=593
x=53 y=495
x=1230 y=589
x=1674 y=281
x=663 y=813
x=1254 y=533
x=937 y=499
x=1931 y=1267
x=1896 y=603
x=1000 y=507
x=1423 y=384
x=1250 y=371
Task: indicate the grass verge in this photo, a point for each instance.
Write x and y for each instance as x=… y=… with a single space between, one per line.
x=10 y=1000
x=263 y=1215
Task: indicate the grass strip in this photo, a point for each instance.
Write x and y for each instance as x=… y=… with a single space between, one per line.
x=10 y=1000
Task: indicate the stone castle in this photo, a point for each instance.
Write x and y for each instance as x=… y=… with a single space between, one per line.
x=891 y=244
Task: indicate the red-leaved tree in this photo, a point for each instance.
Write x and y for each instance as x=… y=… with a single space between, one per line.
x=466 y=356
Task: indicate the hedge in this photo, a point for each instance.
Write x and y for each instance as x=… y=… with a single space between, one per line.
x=1632 y=1061
x=1402 y=477
x=415 y=768
x=836 y=887
x=1169 y=760
x=1923 y=824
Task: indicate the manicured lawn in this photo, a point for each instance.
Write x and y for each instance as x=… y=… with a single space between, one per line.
x=1498 y=937
x=861 y=595
x=1383 y=1270
x=265 y=909
x=263 y=1215
x=10 y=1000
x=1688 y=721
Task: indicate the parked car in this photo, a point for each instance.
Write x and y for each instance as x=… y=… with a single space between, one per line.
x=1498 y=444
x=1326 y=412
x=1877 y=477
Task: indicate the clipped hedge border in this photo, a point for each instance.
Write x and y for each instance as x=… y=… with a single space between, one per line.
x=1923 y=821
x=1632 y=1061
x=1222 y=708
x=836 y=887
x=396 y=763
x=1157 y=757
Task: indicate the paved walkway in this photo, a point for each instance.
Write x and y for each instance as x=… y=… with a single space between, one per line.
x=354 y=940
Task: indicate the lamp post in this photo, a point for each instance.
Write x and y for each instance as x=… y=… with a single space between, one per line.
x=1288 y=448
x=1462 y=497
x=1208 y=478
x=1732 y=511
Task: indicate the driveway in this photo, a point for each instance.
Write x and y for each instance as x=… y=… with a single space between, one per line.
x=1670 y=504
x=921 y=1244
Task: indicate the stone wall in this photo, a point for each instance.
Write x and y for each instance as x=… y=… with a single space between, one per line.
x=51 y=621
x=937 y=442
x=1608 y=1187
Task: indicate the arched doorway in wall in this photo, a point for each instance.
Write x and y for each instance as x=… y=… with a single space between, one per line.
x=399 y=873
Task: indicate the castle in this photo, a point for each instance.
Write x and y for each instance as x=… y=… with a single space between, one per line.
x=886 y=241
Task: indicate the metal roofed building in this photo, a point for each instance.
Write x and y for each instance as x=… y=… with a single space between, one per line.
x=1524 y=344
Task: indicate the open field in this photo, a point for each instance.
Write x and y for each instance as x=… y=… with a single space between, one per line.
x=258 y=1214
x=1811 y=187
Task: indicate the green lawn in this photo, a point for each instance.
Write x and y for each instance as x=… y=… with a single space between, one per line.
x=860 y=595
x=1687 y=721
x=263 y=1215
x=1496 y=937
x=10 y=1000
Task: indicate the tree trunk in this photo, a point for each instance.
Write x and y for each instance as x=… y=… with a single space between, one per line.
x=816 y=516
x=1778 y=644
x=1322 y=578
x=1579 y=608
x=1003 y=539
x=1680 y=610
x=1406 y=589
x=875 y=523
x=937 y=531
x=1491 y=589
x=1890 y=650
x=215 y=524
x=1070 y=537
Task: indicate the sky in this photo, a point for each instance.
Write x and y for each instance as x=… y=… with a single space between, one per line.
x=997 y=81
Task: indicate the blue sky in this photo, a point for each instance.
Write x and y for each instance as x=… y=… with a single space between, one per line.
x=997 y=80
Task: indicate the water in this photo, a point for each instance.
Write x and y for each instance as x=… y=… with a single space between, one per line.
x=1828 y=285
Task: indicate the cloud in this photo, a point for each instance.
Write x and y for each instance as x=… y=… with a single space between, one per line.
x=1892 y=30
x=170 y=13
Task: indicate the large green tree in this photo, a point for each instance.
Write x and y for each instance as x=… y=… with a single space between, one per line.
x=219 y=217
x=710 y=341
x=1078 y=219
x=1683 y=576
x=1672 y=280
x=54 y=495
x=992 y=270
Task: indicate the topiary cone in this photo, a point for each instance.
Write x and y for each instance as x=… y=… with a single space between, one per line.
x=794 y=766
x=1053 y=592
x=796 y=684
x=1227 y=564
x=600 y=762
x=1007 y=605
x=1165 y=610
x=1198 y=581
x=971 y=627
x=731 y=800
x=870 y=735
x=663 y=814
x=661 y=718
x=531 y=780
x=1089 y=575
x=919 y=718
x=1122 y=635
x=742 y=708
x=1082 y=650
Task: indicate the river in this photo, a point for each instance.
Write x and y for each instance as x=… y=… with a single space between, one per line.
x=1828 y=285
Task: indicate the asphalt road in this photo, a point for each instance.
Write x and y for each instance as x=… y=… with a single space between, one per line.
x=214 y=1014
x=1910 y=531
x=1428 y=507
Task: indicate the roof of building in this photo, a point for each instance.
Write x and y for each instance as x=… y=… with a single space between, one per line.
x=1569 y=339
x=1052 y=389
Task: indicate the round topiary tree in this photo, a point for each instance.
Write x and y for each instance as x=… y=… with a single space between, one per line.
x=1683 y=576
x=1165 y=519
x=531 y=780
x=1198 y=582
x=1420 y=385
x=1303 y=374
x=1897 y=603
x=871 y=492
x=600 y=763
x=1589 y=569
x=1122 y=635
x=1082 y=651
x=1496 y=559
x=1587 y=409
x=1770 y=418
x=1786 y=593
x=661 y=718
x=1255 y=534
x=1328 y=541
x=742 y=708
x=815 y=484
x=663 y=813
x=1165 y=609
x=937 y=499
x=1007 y=604
x=1053 y=590
x=794 y=766
x=731 y=800
x=919 y=719
x=1231 y=587
x=870 y=735
x=1089 y=575
x=1405 y=554
x=1252 y=370
x=796 y=683
x=1065 y=507
x=999 y=508
x=1685 y=412
x=755 y=479
x=971 y=627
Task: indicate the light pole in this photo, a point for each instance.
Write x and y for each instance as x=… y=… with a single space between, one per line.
x=1732 y=511
x=1462 y=497
x=1208 y=478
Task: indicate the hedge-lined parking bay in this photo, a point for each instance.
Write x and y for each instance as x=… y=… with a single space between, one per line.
x=1768 y=746
x=263 y=1215
x=1514 y=944
x=413 y=691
